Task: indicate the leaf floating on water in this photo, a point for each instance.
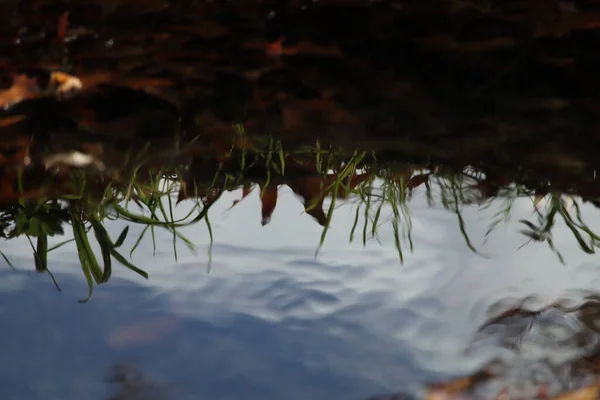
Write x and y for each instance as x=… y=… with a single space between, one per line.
x=268 y=200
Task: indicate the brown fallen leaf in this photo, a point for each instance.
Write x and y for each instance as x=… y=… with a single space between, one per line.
x=400 y=178
x=23 y=88
x=9 y=121
x=301 y=114
x=63 y=85
x=277 y=48
x=450 y=390
x=188 y=190
x=36 y=184
x=61 y=29
x=416 y=181
x=539 y=196
x=15 y=151
x=268 y=200
x=591 y=392
x=313 y=191
x=274 y=48
x=317 y=212
x=152 y=86
x=245 y=192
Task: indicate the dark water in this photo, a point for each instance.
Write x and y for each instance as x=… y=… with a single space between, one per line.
x=397 y=201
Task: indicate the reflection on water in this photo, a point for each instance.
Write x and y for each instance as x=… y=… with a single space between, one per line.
x=267 y=307
x=200 y=200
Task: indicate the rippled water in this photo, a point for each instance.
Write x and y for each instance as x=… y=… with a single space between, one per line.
x=271 y=321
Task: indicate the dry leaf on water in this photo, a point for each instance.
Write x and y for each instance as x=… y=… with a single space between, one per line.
x=15 y=151
x=268 y=200
x=63 y=85
x=453 y=389
x=313 y=191
x=591 y=392
x=24 y=87
x=61 y=29
x=417 y=181
x=539 y=196
x=9 y=121
x=208 y=196
x=245 y=192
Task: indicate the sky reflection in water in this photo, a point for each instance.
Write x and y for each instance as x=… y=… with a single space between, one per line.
x=270 y=321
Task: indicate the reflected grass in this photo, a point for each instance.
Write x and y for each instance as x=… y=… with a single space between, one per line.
x=87 y=210
x=142 y=191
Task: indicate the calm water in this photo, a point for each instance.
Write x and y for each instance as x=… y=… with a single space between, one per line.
x=100 y=100
x=269 y=321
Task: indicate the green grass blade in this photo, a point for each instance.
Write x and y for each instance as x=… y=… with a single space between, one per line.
x=121 y=237
x=128 y=264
